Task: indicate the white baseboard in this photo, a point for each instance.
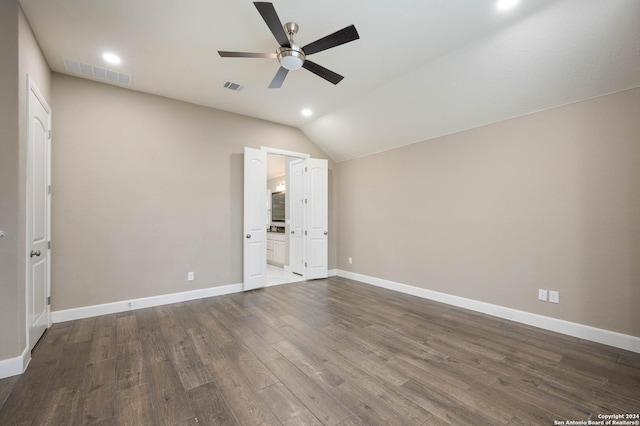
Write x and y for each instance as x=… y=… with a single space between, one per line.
x=611 y=338
x=145 y=302
x=148 y=302
x=14 y=366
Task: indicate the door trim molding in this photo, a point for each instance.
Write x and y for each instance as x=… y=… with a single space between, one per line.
x=598 y=335
x=284 y=152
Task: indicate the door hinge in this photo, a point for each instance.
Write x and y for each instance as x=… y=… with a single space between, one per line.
x=305 y=264
x=48 y=300
x=305 y=232
x=305 y=169
x=49 y=245
x=306 y=201
x=48 y=189
x=48 y=134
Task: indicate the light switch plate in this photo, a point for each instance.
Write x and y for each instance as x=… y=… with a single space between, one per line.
x=554 y=296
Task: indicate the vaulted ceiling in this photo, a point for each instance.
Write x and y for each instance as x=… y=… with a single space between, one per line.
x=421 y=68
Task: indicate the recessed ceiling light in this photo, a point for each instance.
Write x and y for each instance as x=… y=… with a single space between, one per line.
x=506 y=4
x=111 y=58
x=306 y=112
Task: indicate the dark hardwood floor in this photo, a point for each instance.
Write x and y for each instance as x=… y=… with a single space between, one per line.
x=332 y=352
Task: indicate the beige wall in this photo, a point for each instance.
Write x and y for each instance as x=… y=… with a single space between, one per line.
x=9 y=166
x=20 y=55
x=32 y=63
x=549 y=200
x=146 y=189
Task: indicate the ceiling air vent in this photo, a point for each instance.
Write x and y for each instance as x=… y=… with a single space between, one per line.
x=232 y=86
x=97 y=73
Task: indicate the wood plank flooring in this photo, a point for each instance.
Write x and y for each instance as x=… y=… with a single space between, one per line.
x=327 y=352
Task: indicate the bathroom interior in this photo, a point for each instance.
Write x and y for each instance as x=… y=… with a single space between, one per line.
x=278 y=245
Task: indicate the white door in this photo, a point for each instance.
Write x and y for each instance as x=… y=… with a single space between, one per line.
x=255 y=218
x=296 y=216
x=38 y=213
x=317 y=221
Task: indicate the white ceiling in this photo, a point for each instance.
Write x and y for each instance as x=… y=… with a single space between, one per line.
x=421 y=69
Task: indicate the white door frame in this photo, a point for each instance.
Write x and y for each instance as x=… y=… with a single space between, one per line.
x=277 y=151
x=32 y=88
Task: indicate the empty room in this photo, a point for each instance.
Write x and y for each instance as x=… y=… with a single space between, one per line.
x=229 y=212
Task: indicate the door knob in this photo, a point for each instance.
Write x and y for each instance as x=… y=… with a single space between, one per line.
x=248 y=235
x=293 y=232
x=326 y=232
x=35 y=253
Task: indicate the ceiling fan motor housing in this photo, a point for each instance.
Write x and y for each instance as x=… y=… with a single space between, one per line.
x=292 y=57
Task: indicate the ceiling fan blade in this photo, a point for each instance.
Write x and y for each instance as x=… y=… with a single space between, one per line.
x=343 y=36
x=268 y=13
x=225 y=54
x=277 y=81
x=322 y=72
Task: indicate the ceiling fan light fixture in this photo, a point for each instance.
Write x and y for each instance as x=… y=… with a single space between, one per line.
x=291 y=58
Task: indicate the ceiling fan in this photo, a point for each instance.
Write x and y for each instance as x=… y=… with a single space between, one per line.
x=290 y=55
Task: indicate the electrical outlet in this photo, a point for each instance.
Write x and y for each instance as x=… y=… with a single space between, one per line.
x=190 y=276
x=542 y=294
x=554 y=296
x=350 y=261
